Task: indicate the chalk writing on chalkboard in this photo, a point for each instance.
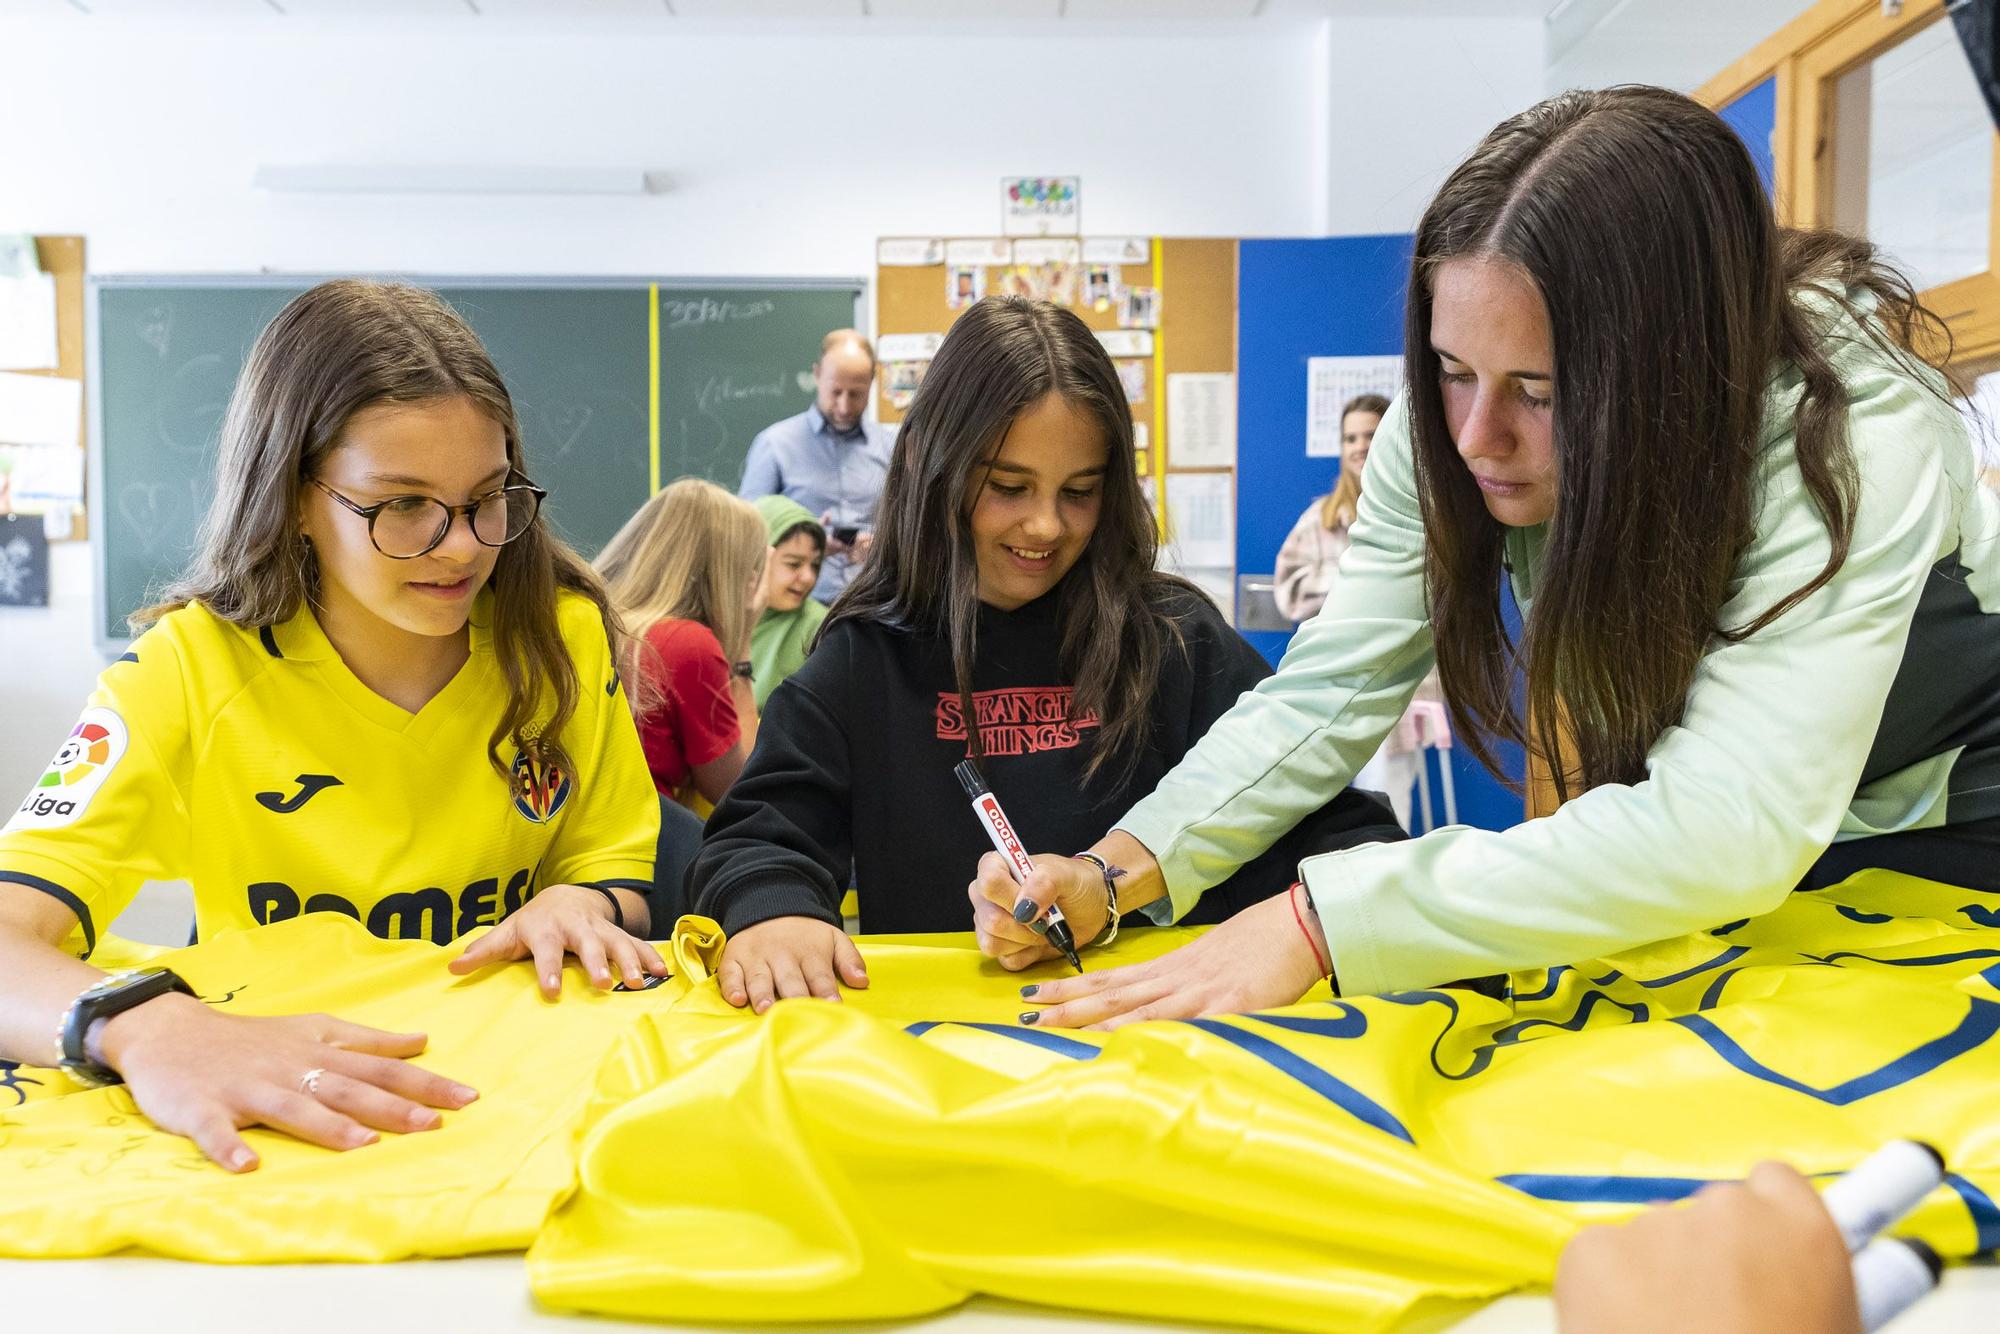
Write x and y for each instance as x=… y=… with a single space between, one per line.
x=156 y=328
x=708 y=310
x=192 y=402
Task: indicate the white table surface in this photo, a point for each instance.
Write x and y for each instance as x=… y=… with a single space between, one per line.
x=489 y=1295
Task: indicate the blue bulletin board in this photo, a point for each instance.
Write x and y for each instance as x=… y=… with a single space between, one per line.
x=1338 y=296
x=1754 y=117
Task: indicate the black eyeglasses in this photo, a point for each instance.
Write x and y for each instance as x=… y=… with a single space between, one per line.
x=406 y=527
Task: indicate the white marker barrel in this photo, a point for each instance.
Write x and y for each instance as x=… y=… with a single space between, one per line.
x=1886 y=1185
x=1890 y=1276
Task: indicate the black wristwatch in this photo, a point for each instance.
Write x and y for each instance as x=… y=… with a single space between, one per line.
x=112 y=995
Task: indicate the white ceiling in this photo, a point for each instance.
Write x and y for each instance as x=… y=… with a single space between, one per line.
x=1591 y=43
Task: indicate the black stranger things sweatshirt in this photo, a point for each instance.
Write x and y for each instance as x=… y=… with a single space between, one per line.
x=853 y=767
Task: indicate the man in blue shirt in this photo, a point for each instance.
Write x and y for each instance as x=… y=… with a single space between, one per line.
x=828 y=458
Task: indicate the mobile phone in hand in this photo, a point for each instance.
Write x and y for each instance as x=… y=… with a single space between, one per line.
x=846 y=533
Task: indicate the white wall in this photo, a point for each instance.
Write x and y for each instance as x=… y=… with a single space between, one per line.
x=789 y=153
x=1406 y=101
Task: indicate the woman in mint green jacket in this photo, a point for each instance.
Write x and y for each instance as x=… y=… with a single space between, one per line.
x=1757 y=577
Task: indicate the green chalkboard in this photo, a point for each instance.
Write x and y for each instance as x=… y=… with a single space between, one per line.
x=578 y=358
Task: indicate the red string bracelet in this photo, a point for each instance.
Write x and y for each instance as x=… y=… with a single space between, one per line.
x=1325 y=968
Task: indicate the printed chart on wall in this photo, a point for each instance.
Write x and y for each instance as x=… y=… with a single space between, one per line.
x=1334 y=382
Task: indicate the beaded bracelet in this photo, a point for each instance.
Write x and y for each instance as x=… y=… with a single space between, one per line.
x=1110 y=874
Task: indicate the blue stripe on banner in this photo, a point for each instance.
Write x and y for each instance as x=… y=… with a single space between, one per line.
x=1607 y=979
x=1982 y=1020
x=1351 y=1023
x=1730 y=955
x=1603 y=1189
x=1730 y=928
x=1053 y=1042
x=1865 y=918
x=1713 y=995
x=1981 y=916
x=1548 y=987
x=1350 y=1100
x=1924 y=961
x=1985 y=1214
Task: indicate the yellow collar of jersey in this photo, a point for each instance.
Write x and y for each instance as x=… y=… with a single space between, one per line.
x=302 y=639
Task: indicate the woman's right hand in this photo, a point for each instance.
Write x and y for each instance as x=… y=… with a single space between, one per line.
x=785 y=957
x=998 y=905
x=206 y=1075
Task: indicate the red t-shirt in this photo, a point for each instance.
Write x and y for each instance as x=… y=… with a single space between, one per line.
x=695 y=719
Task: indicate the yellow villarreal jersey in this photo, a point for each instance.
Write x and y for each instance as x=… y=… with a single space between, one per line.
x=254 y=764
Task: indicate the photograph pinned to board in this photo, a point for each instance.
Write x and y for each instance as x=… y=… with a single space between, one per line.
x=1100 y=286
x=1139 y=308
x=963 y=286
x=1132 y=379
x=900 y=381
x=1201 y=422
x=1041 y=205
x=909 y=252
x=1334 y=382
x=1117 y=250
x=24 y=562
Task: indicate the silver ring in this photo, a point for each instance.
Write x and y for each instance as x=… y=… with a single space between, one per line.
x=309 y=1081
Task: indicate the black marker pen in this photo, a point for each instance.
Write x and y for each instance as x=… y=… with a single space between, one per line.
x=1001 y=830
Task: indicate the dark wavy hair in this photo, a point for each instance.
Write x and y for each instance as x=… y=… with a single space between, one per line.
x=1001 y=357
x=332 y=351
x=1672 y=296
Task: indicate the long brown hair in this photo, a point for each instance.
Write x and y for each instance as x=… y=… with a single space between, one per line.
x=1672 y=297
x=688 y=554
x=1000 y=358
x=1337 y=510
x=332 y=351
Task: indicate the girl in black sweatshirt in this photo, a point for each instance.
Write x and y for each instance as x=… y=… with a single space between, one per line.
x=1009 y=612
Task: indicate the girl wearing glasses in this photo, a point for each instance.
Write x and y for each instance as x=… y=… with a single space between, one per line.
x=383 y=688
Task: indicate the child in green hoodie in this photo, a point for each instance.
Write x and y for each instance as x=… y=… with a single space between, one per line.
x=784 y=633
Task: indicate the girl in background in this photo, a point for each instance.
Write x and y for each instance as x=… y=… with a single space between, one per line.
x=686 y=574
x=1310 y=557
x=784 y=633
x=1009 y=613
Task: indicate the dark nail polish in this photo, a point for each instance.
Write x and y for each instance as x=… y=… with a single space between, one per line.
x=1040 y=926
x=1028 y=992
x=1024 y=909
x=1030 y=1016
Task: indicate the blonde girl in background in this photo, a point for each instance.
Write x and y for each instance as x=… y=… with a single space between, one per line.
x=1310 y=557
x=686 y=574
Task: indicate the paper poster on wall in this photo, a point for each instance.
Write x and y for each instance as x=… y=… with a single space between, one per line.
x=1333 y=382
x=963 y=285
x=1117 y=250
x=24 y=562
x=900 y=381
x=985 y=250
x=907 y=252
x=1219 y=583
x=1126 y=342
x=28 y=322
x=1047 y=252
x=1040 y=205
x=40 y=410
x=1201 y=420
x=1132 y=379
x=36 y=479
x=908 y=346
x=1201 y=519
